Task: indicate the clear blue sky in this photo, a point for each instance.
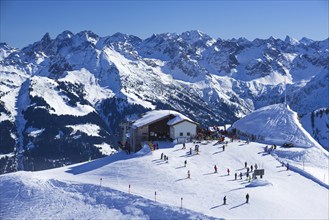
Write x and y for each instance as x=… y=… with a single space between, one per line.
x=24 y=22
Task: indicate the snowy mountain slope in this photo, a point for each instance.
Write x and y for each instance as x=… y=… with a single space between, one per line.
x=313 y=95
x=268 y=119
x=76 y=187
x=5 y=50
x=107 y=80
x=278 y=124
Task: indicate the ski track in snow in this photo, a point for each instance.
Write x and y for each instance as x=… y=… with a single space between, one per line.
x=74 y=191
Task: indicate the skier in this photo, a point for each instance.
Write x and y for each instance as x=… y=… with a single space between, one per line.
x=247 y=198
x=228 y=171
x=287 y=166
x=240 y=176
x=164 y=157
x=185 y=162
x=161 y=156
x=265 y=149
x=223 y=147
x=190 y=150
x=188 y=174
x=224 y=199
x=184 y=147
x=167 y=158
x=215 y=167
x=245 y=164
x=248 y=169
x=251 y=168
x=256 y=166
x=235 y=176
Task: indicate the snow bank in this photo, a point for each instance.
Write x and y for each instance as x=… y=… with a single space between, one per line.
x=259 y=182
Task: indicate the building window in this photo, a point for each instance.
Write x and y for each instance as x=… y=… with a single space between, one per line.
x=188 y=134
x=181 y=134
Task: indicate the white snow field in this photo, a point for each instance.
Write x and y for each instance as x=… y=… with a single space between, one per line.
x=74 y=192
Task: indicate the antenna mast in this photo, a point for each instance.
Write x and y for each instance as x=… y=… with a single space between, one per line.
x=285 y=91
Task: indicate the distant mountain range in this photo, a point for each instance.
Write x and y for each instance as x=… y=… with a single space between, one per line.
x=62 y=99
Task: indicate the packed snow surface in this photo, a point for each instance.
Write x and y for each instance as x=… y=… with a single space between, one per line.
x=100 y=189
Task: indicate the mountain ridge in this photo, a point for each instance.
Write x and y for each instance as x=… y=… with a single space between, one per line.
x=119 y=77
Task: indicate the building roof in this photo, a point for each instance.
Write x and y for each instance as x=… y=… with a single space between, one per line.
x=178 y=119
x=157 y=115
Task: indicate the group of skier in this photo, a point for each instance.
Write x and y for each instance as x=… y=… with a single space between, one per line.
x=269 y=149
x=248 y=169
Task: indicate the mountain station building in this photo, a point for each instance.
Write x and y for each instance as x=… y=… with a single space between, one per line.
x=161 y=125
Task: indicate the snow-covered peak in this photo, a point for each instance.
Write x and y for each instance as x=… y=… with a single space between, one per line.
x=88 y=36
x=46 y=38
x=291 y=40
x=5 y=50
x=64 y=35
x=120 y=37
x=39 y=46
x=195 y=36
x=120 y=41
x=241 y=41
x=306 y=41
x=159 y=38
x=4 y=46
